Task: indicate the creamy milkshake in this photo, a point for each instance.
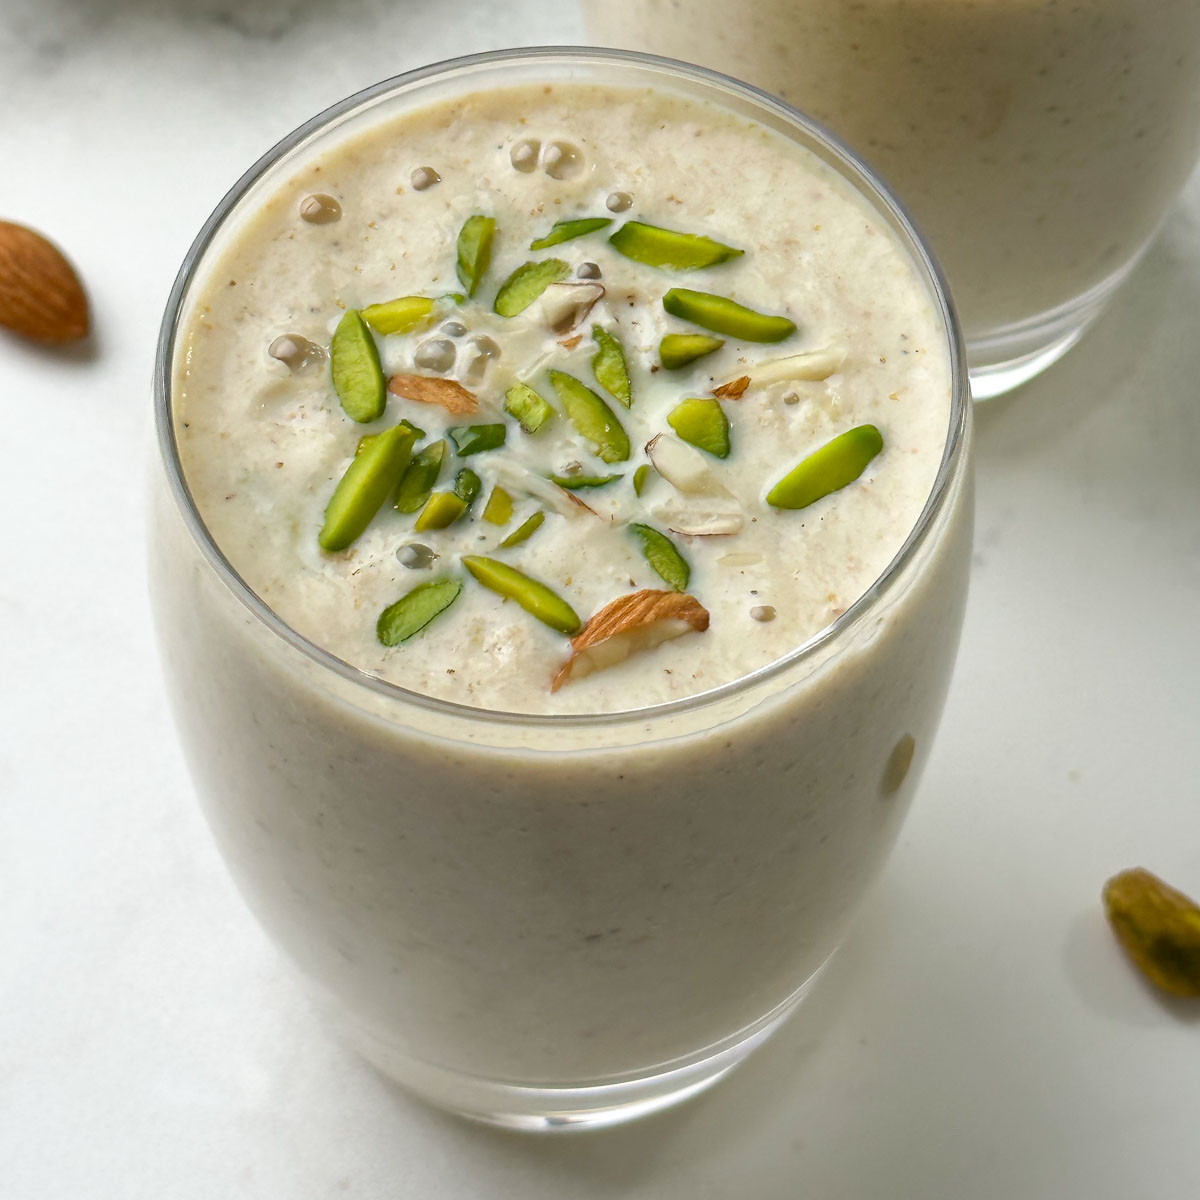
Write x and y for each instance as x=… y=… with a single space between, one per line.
x=1038 y=144
x=563 y=566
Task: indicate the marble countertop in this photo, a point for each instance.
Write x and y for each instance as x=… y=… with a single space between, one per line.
x=979 y=1037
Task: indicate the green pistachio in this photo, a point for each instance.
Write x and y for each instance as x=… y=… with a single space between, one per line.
x=473 y=439
x=661 y=554
x=356 y=370
x=722 y=315
x=570 y=482
x=524 y=531
x=678 y=349
x=639 y=478
x=702 y=423
x=417 y=482
x=475 y=251
x=399 y=316
x=467 y=485
x=499 y=508
x=527 y=283
x=565 y=231
x=441 y=509
x=829 y=469
x=530 y=410
x=414 y=610
x=364 y=487
x=610 y=368
x=658 y=247
x=592 y=417
x=533 y=596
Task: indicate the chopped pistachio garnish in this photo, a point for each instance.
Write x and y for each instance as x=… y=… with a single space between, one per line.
x=639 y=478
x=566 y=231
x=722 y=315
x=584 y=481
x=441 y=509
x=702 y=423
x=532 y=595
x=530 y=410
x=499 y=508
x=658 y=247
x=473 y=439
x=467 y=485
x=610 y=368
x=417 y=482
x=355 y=368
x=400 y=315
x=592 y=417
x=475 y=251
x=527 y=283
x=679 y=349
x=829 y=469
x=524 y=531
x=415 y=609
x=364 y=487
x=661 y=553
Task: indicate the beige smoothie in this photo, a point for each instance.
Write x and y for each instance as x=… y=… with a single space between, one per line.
x=513 y=848
x=1038 y=144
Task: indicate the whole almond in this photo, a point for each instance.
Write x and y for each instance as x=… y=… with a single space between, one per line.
x=40 y=295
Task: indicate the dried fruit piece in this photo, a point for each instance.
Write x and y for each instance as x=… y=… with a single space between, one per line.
x=565 y=231
x=524 y=531
x=592 y=417
x=627 y=625
x=660 y=552
x=584 y=481
x=530 y=410
x=533 y=596
x=473 y=439
x=442 y=509
x=678 y=349
x=355 y=369
x=499 y=508
x=610 y=368
x=658 y=247
x=564 y=305
x=639 y=478
x=432 y=389
x=40 y=294
x=722 y=315
x=702 y=423
x=369 y=478
x=417 y=482
x=829 y=469
x=467 y=485
x=735 y=389
x=1159 y=928
x=401 y=315
x=414 y=610
x=527 y=283
x=475 y=250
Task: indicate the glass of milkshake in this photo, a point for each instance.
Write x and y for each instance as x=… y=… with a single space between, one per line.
x=1038 y=145
x=559 y=553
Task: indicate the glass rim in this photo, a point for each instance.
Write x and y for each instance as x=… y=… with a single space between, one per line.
x=849 y=164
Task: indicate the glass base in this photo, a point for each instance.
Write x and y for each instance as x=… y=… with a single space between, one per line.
x=1005 y=358
x=559 y=1108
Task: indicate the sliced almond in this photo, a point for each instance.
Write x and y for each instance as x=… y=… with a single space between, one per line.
x=734 y=389
x=563 y=305
x=431 y=389
x=813 y=367
x=571 y=342
x=515 y=478
x=684 y=468
x=703 y=520
x=629 y=624
x=41 y=297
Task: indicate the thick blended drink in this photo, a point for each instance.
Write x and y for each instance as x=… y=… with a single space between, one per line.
x=1038 y=144
x=562 y=566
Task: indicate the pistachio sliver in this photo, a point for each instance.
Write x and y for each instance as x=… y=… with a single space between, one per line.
x=441 y=509
x=660 y=552
x=474 y=250
x=702 y=423
x=527 y=283
x=467 y=485
x=415 y=609
x=401 y=315
x=473 y=439
x=529 y=409
x=584 y=481
x=640 y=476
x=417 y=482
x=610 y=368
x=532 y=595
x=364 y=487
x=657 y=247
x=524 y=531
x=829 y=469
x=355 y=369
x=566 y=231
x=723 y=315
x=499 y=507
x=592 y=417
x=679 y=349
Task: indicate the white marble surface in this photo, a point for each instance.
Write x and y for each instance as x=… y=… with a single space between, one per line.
x=979 y=1037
